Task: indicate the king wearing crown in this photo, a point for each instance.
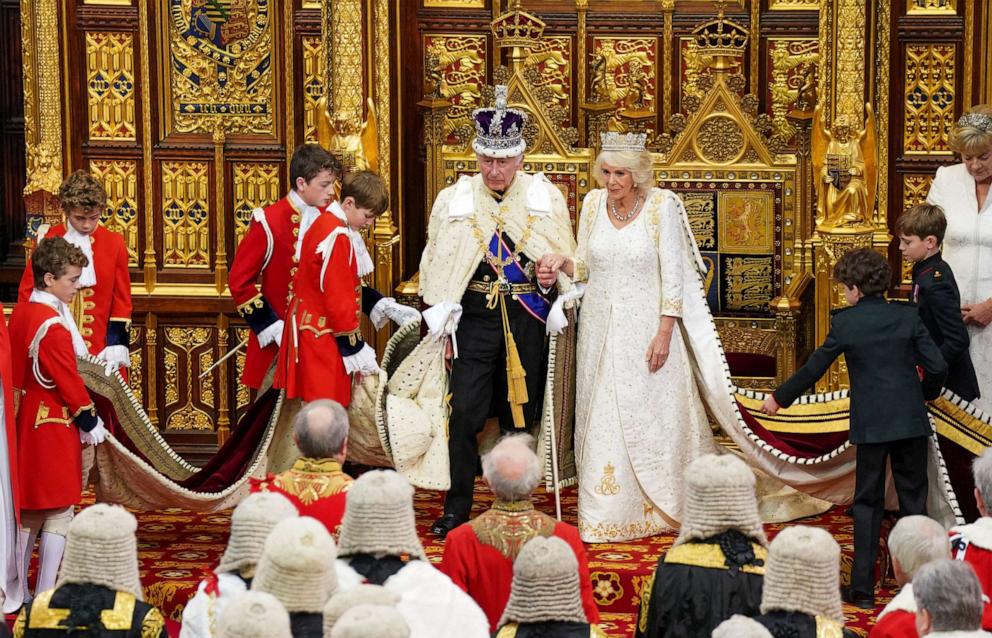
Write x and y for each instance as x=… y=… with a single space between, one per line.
x=485 y=234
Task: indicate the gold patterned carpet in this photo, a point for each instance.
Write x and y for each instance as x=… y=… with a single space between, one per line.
x=176 y=547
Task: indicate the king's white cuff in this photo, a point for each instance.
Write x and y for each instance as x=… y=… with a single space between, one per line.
x=556 y=316
x=442 y=318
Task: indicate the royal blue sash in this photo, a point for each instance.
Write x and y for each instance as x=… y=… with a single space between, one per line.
x=532 y=302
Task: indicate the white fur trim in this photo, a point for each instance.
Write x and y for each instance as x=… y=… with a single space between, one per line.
x=978 y=533
x=259 y=216
x=903 y=601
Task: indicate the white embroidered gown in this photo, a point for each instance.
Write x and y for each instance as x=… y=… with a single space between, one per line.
x=968 y=251
x=635 y=432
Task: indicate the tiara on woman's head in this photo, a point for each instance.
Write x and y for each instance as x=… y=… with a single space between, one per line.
x=981 y=121
x=623 y=142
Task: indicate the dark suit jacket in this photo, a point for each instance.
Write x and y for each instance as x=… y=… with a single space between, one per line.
x=936 y=295
x=882 y=343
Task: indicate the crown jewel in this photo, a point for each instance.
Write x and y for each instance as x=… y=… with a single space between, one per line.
x=499 y=130
x=623 y=142
x=981 y=121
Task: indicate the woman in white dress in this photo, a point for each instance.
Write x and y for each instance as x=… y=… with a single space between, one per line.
x=639 y=417
x=963 y=191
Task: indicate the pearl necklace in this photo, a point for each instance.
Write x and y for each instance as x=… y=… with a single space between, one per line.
x=633 y=209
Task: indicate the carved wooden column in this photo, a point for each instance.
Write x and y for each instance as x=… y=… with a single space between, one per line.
x=42 y=59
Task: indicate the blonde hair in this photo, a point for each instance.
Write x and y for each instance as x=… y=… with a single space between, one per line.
x=968 y=138
x=637 y=162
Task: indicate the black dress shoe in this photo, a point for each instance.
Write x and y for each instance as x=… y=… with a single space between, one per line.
x=857 y=598
x=446 y=523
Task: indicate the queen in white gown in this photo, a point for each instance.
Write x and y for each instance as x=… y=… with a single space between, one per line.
x=968 y=239
x=635 y=429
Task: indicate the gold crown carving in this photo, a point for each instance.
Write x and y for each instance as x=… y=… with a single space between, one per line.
x=517 y=28
x=623 y=142
x=721 y=37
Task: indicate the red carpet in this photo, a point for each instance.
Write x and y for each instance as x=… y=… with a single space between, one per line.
x=176 y=546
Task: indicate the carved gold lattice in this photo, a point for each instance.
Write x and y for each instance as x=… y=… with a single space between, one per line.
x=313 y=84
x=220 y=66
x=347 y=45
x=929 y=98
x=850 y=60
x=206 y=359
x=185 y=215
x=135 y=374
x=553 y=62
x=915 y=189
x=720 y=140
x=792 y=87
x=460 y=62
x=110 y=85
x=791 y=5
x=931 y=7
x=631 y=80
x=256 y=185
x=120 y=180
x=186 y=346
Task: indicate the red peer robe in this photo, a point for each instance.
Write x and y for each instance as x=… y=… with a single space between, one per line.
x=898 y=619
x=267 y=251
x=479 y=555
x=109 y=300
x=973 y=544
x=49 y=454
x=326 y=306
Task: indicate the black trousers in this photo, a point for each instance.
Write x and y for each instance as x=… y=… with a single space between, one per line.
x=478 y=382
x=908 y=458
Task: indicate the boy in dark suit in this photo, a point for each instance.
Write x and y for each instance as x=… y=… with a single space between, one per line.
x=882 y=343
x=935 y=293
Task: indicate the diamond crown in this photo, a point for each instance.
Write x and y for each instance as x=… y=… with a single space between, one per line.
x=623 y=142
x=981 y=121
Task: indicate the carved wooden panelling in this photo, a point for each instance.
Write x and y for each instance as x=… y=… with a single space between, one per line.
x=313 y=84
x=929 y=98
x=110 y=85
x=189 y=401
x=631 y=76
x=792 y=87
x=120 y=180
x=256 y=185
x=219 y=58
x=458 y=64
x=185 y=215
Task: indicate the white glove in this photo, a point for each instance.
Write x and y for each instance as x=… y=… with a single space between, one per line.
x=115 y=357
x=272 y=334
x=363 y=362
x=96 y=436
x=387 y=308
x=442 y=318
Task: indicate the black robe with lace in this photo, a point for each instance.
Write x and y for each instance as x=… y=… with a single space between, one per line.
x=699 y=584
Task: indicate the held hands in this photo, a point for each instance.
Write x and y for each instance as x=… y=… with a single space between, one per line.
x=548 y=267
x=978 y=314
x=770 y=406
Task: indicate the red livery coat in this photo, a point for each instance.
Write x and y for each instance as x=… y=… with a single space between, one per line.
x=326 y=309
x=108 y=301
x=267 y=251
x=49 y=454
x=479 y=555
